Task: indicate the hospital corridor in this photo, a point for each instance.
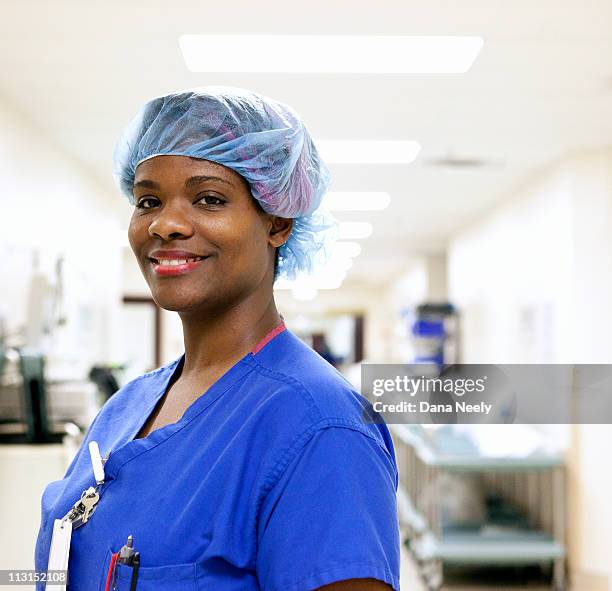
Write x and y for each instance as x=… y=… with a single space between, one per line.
x=304 y=296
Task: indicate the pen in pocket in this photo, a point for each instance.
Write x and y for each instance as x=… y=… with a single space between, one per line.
x=128 y=556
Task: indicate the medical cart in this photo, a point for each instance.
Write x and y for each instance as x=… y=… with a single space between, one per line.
x=535 y=483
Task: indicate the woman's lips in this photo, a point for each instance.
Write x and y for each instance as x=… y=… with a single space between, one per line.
x=175 y=266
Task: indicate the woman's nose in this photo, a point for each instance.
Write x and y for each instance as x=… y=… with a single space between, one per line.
x=171 y=222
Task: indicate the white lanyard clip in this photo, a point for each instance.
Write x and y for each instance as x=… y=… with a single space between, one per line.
x=96 y=462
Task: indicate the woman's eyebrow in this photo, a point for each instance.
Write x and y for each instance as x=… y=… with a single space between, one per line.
x=189 y=183
x=196 y=180
x=147 y=184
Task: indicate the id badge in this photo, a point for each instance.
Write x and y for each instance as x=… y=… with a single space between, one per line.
x=77 y=516
x=60 y=550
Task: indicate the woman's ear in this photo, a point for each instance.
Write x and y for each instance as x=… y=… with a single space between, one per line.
x=280 y=229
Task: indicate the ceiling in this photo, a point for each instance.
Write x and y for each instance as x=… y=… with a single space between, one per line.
x=540 y=89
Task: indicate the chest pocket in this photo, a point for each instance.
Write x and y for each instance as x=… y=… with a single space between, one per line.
x=176 y=577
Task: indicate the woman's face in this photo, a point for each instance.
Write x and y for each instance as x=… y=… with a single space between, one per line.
x=188 y=209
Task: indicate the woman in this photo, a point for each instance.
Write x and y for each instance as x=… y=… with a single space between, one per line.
x=246 y=463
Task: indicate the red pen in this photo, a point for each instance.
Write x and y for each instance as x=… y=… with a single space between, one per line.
x=111 y=571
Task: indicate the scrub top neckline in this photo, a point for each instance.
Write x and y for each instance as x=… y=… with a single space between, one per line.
x=133 y=447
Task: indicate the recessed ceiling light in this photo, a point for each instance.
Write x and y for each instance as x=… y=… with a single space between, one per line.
x=352 y=54
x=452 y=160
x=368 y=151
x=356 y=201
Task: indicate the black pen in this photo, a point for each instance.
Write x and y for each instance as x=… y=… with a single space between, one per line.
x=129 y=557
x=135 y=561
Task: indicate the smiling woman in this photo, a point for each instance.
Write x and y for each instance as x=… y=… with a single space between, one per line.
x=245 y=464
x=211 y=208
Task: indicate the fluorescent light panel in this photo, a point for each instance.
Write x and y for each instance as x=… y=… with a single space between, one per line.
x=329 y=274
x=354 y=230
x=351 y=54
x=368 y=151
x=356 y=201
x=347 y=249
x=304 y=293
x=327 y=280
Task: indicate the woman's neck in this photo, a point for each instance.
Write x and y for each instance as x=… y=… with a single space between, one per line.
x=220 y=340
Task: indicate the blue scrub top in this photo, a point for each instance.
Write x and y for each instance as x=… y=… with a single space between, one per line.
x=271 y=480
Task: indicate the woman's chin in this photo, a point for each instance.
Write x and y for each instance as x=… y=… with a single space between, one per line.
x=174 y=304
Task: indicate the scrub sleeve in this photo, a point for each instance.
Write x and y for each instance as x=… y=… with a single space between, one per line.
x=331 y=516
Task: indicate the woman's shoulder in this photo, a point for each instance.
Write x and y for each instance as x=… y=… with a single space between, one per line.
x=306 y=409
x=297 y=382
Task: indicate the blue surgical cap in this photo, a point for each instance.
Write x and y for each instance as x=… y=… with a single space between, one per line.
x=261 y=139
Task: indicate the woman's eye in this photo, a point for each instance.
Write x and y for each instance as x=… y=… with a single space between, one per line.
x=211 y=200
x=141 y=203
x=150 y=202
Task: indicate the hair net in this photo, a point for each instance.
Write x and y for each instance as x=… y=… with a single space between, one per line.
x=259 y=138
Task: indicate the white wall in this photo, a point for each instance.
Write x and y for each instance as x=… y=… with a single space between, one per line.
x=591 y=185
x=533 y=282
x=511 y=276
x=52 y=206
